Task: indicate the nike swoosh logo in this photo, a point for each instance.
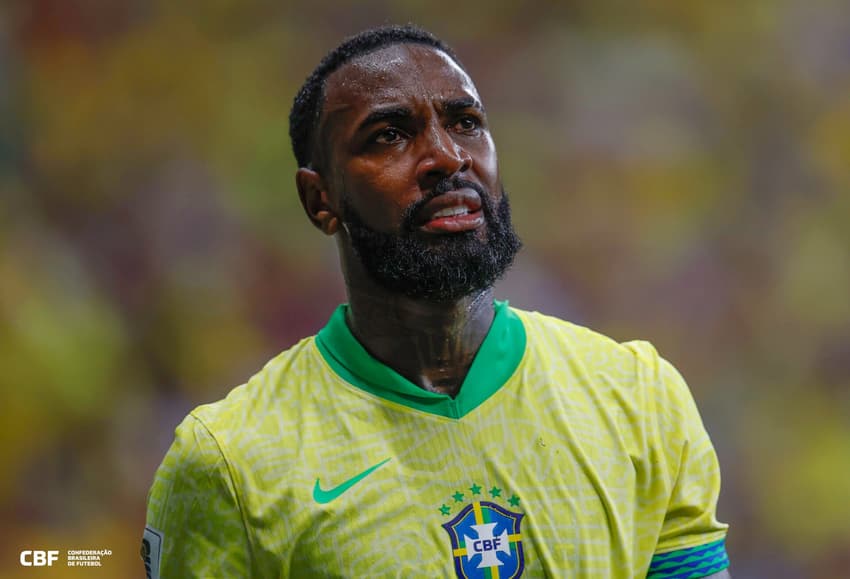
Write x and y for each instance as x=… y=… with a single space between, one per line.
x=326 y=496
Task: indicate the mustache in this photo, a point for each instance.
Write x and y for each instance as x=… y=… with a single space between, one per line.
x=442 y=187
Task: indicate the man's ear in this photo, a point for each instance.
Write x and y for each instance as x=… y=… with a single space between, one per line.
x=316 y=201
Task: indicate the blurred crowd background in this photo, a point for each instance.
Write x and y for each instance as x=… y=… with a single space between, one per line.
x=680 y=172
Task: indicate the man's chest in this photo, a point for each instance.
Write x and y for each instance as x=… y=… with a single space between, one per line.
x=500 y=496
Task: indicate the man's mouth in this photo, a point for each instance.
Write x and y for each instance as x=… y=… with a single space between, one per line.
x=452 y=212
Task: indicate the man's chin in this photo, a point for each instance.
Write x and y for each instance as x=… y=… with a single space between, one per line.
x=448 y=270
x=442 y=267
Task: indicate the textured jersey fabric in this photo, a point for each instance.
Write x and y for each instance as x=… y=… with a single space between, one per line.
x=565 y=454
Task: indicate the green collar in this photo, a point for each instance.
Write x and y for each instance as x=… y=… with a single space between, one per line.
x=495 y=362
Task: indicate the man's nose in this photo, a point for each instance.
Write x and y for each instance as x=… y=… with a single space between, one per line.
x=442 y=156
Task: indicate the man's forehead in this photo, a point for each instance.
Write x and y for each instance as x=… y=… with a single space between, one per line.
x=396 y=72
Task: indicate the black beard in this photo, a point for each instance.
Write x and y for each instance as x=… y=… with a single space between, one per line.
x=440 y=269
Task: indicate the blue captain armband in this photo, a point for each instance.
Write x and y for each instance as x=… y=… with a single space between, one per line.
x=689 y=563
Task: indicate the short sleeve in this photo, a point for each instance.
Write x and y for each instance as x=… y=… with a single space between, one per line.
x=691 y=541
x=194 y=524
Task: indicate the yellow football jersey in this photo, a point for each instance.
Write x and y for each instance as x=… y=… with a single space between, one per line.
x=565 y=454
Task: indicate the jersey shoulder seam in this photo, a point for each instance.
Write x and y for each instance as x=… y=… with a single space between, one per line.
x=238 y=495
x=545 y=322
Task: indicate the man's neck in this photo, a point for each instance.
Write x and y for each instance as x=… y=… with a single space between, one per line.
x=431 y=344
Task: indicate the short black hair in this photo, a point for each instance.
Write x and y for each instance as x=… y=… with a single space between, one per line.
x=307 y=106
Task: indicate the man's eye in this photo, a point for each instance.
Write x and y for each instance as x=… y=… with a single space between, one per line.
x=468 y=124
x=388 y=136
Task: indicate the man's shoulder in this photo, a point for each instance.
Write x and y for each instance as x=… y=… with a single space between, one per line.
x=272 y=390
x=546 y=331
x=234 y=438
x=569 y=349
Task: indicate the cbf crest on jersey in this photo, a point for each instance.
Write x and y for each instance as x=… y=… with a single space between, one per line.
x=486 y=542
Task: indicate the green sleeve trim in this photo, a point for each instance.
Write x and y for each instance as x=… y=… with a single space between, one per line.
x=690 y=563
x=496 y=361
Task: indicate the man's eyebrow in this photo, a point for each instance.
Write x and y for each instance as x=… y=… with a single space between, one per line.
x=463 y=103
x=383 y=114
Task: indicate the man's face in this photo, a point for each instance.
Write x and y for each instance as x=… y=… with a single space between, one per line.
x=410 y=162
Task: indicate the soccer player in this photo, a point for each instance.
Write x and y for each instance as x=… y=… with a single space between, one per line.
x=428 y=430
